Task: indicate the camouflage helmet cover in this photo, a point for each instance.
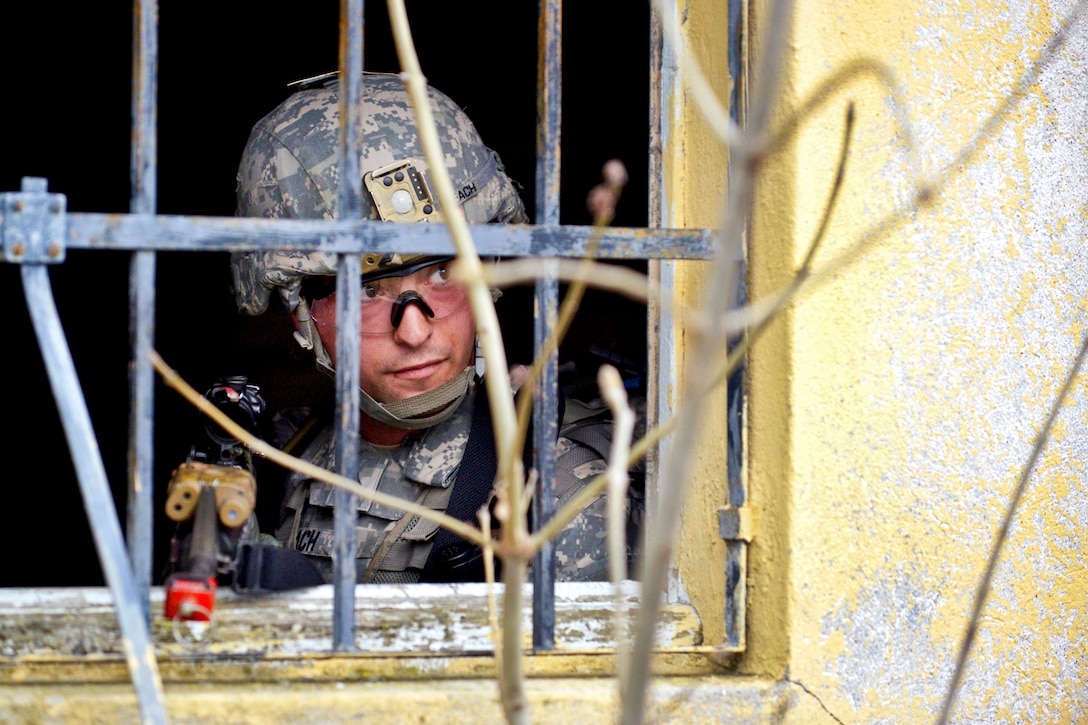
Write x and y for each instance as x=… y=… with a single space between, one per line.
x=289 y=169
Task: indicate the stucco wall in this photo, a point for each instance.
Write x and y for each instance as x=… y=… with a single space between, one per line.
x=892 y=409
x=904 y=392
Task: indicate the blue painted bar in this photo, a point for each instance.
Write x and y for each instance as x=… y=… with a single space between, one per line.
x=195 y=233
x=546 y=404
x=348 y=298
x=144 y=175
x=97 y=497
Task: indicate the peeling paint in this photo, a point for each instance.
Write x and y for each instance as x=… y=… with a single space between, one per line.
x=922 y=373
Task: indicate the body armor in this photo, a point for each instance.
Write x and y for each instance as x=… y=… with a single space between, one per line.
x=393 y=547
x=422 y=469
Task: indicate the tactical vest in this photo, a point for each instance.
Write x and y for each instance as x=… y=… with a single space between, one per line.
x=391 y=546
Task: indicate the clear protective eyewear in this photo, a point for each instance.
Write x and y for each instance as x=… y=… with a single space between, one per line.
x=432 y=289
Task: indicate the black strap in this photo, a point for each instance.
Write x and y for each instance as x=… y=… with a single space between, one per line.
x=452 y=559
x=268 y=568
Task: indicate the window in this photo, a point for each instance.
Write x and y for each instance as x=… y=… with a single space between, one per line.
x=218 y=73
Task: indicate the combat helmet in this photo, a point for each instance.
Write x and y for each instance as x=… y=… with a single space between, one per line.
x=289 y=170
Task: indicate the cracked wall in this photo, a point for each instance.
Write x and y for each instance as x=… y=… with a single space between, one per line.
x=906 y=389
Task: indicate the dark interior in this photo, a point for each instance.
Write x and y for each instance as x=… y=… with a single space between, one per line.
x=66 y=117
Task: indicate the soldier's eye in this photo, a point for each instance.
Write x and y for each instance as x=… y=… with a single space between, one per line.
x=371 y=291
x=441 y=274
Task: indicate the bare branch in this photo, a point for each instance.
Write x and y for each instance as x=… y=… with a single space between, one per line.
x=623 y=425
x=983 y=593
x=270 y=452
x=508 y=438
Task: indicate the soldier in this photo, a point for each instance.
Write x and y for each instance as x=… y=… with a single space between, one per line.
x=425 y=426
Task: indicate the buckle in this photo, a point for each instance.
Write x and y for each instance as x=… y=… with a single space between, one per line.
x=247 y=568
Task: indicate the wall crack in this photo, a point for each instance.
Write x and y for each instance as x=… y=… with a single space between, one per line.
x=817 y=698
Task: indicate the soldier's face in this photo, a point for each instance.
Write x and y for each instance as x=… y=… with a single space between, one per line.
x=420 y=354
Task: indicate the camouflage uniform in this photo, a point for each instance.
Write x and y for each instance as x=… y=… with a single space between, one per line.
x=581 y=548
x=424 y=469
x=290 y=170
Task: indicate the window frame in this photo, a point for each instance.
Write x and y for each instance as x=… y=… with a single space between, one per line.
x=144 y=233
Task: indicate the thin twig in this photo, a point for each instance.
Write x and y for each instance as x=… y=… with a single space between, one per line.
x=515 y=529
x=489 y=577
x=606 y=277
x=827 y=92
x=1003 y=532
x=725 y=271
x=270 y=452
x=623 y=425
x=602 y=203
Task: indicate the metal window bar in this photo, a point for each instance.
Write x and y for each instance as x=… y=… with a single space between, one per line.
x=736 y=541
x=35 y=230
x=143 y=172
x=546 y=408
x=349 y=295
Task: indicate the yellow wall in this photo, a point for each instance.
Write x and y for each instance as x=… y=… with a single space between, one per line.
x=891 y=411
x=895 y=405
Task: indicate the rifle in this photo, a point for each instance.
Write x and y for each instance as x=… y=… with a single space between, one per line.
x=216 y=490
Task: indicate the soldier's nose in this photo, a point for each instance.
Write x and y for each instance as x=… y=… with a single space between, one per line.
x=414 y=325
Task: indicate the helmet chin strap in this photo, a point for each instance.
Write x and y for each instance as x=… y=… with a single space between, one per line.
x=414 y=413
x=423 y=410
x=308 y=338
